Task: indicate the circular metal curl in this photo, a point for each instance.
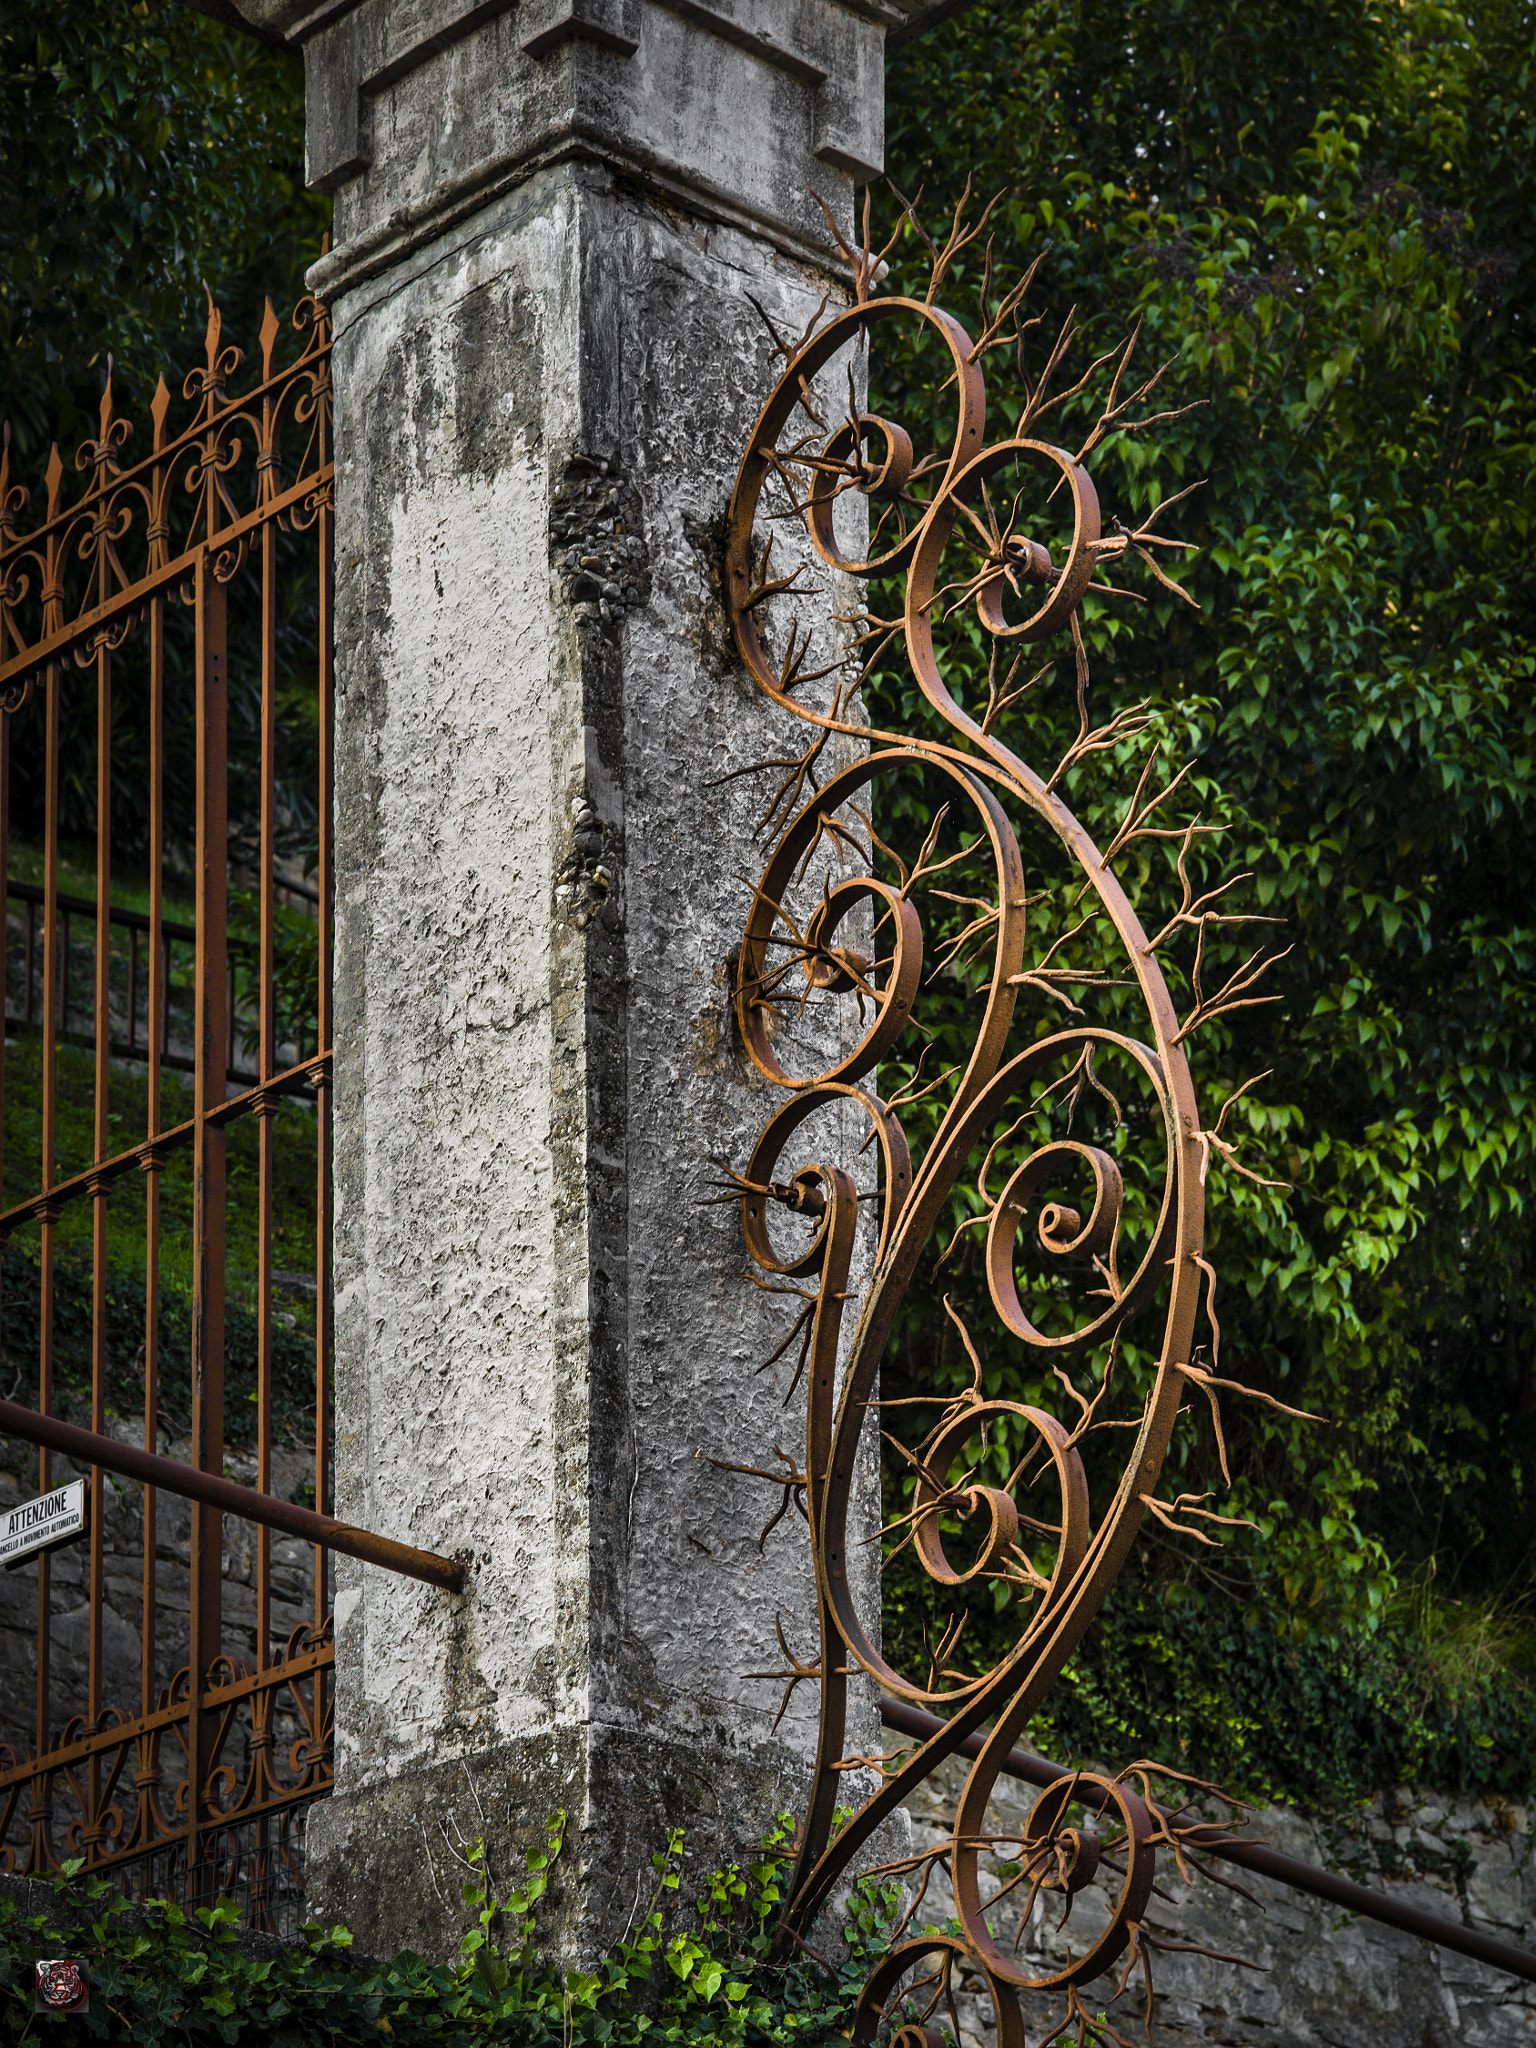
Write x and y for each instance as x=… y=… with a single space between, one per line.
x=882 y=1989
x=885 y=481
x=1066 y=1860
x=949 y=506
x=896 y=1159
x=762 y=460
x=1068 y=584
x=1002 y=1533
x=825 y=967
x=1061 y=1232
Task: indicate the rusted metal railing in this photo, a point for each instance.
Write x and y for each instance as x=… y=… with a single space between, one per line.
x=231 y=1726
x=135 y=924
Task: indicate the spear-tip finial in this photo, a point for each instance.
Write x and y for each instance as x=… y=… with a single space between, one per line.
x=159 y=406
x=270 y=328
x=215 y=323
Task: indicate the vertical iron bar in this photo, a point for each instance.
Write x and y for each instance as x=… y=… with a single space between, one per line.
x=133 y=989
x=42 y=1851
x=5 y=883
x=208 y=1168
x=267 y=1067
x=100 y=1190
x=64 y=990
x=154 y=1026
x=31 y=955
x=324 y=884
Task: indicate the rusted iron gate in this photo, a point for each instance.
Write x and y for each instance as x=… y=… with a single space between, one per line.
x=194 y=1788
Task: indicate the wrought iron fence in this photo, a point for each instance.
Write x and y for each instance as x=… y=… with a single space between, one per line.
x=130 y=931
x=125 y=612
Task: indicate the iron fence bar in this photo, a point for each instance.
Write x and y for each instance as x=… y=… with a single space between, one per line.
x=1207 y=1840
x=325 y=884
x=227 y=1496
x=47 y=1216
x=153 y=1159
x=266 y=1066
x=208 y=1148
x=56 y=643
x=100 y=1191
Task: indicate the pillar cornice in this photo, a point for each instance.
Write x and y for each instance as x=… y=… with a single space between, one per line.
x=741 y=112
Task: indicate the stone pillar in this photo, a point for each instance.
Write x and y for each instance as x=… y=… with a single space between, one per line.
x=552 y=222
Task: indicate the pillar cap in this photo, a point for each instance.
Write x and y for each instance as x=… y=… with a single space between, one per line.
x=753 y=116
x=288 y=21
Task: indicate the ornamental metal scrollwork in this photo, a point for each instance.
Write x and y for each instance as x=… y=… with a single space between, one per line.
x=82 y=578
x=1085 y=1226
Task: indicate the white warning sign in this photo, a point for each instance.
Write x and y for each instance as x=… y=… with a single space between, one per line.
x=42 y=1524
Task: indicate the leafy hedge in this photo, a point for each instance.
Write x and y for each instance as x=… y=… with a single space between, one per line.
x=1320 y=218
x=162 y=1975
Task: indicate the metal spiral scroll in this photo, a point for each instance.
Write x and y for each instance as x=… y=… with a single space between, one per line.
x=874 y=457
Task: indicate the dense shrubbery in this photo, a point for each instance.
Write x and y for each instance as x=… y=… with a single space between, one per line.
x=699 y=1977
x=144 y=151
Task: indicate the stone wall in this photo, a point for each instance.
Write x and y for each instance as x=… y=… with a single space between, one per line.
x=1321 y=1978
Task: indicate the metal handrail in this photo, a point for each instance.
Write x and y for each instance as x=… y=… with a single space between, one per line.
x=1287 y=1870
x=168 y=1475
x=137 y=924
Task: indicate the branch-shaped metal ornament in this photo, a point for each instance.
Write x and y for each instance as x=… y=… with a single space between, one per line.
x=1068 y=1164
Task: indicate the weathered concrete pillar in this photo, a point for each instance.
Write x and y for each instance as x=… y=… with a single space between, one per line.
x=552 y=221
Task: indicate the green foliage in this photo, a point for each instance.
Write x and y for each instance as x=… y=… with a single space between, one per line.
x=1201 y=1681
x=1321 y=217
x=293 y=1246
x=699 y=1978
x=144 y=150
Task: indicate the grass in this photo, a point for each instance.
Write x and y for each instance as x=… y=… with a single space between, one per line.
x=294 y=1211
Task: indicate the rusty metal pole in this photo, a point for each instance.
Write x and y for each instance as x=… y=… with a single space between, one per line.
x=208 y=1174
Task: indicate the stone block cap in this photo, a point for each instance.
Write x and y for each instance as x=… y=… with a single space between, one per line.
x=749 y=114
x=288 y=21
